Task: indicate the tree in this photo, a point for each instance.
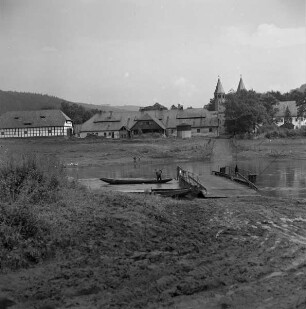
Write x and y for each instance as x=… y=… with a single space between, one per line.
x=287 y=119
x=211 y=105
x=269 y=101
x=77 y=113
x=244 y=111
x=301 y=104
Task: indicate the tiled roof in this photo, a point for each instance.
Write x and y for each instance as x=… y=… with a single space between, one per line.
x=109 y=121
x=196 y=117
x=282 y=106
x=146 y=116
x=32 y=119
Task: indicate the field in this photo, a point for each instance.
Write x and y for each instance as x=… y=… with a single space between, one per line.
x=72 y=248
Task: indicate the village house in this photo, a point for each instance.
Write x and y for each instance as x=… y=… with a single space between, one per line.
x=35 y=123
x=281 y=116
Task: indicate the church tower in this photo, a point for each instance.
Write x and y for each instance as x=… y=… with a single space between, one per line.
x=219 y=95
x=241 y=85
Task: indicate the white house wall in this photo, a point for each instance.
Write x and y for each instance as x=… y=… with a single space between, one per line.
x=105 y=134
x=298 y=122
x=35 y=132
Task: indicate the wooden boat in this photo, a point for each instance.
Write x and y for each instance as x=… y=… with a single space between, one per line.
x=125 y=181
x=180 y=192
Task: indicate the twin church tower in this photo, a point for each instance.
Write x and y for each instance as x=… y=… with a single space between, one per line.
x=219 y=96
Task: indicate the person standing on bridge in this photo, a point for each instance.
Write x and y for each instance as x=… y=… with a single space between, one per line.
x=236 y=170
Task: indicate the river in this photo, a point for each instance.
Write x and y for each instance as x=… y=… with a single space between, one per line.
x=275 y=177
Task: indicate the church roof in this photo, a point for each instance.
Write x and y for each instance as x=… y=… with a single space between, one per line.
x=219 y=87
x=241 y=85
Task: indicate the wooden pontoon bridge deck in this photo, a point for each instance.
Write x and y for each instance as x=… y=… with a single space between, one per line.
x=214 y=186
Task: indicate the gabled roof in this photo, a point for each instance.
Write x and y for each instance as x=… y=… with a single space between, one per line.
x=282 y=106
x=241 y=85
x=191 y=113
x=219 y=88
x=33 y=119
x=109 y=121
x=147 y=117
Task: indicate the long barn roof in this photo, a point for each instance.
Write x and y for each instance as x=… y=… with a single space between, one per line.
x=33 y=119
x=169 y=119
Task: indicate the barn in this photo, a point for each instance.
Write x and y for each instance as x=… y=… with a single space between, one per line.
x=37 y=123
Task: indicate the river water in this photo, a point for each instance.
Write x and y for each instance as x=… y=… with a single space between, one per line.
x=275 y=177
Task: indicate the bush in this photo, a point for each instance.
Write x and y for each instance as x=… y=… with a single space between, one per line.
x=284 y=132
x=26 y=184
x=30 y=178
x=23 y=236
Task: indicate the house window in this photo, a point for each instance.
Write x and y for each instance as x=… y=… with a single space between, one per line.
x=198 y=131
x=25 y=132
x=16 y=118
x=27 y=123
x=2 y=133
x=210 y=129
x=104 y=133
x=109 y=133
x=42 y=116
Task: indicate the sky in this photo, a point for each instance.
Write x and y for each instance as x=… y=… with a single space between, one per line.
x=138 y=52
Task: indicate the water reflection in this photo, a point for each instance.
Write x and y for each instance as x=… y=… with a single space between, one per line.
x=281 y=177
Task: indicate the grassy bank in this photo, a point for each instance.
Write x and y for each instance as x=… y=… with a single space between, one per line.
x=98 y=152
x=282 y=147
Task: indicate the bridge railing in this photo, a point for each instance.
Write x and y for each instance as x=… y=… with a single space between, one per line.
x=245 y=175
x=189 y=179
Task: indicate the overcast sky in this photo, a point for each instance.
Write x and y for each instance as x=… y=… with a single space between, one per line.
x=138 y=52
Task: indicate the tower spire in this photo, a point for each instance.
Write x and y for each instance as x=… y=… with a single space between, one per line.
x=219 y=87
x=241 y=84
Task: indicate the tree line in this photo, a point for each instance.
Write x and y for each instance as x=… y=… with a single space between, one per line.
x=77 y=113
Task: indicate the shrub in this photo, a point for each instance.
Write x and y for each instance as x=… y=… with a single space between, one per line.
x=23 y=236
x=30 y=178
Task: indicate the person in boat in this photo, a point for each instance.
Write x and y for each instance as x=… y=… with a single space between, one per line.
x=159 y=175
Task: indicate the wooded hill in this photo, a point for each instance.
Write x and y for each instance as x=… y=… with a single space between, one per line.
x=17 y=101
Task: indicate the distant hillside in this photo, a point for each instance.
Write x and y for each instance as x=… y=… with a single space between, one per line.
x=16 y=101
x=106 y=108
